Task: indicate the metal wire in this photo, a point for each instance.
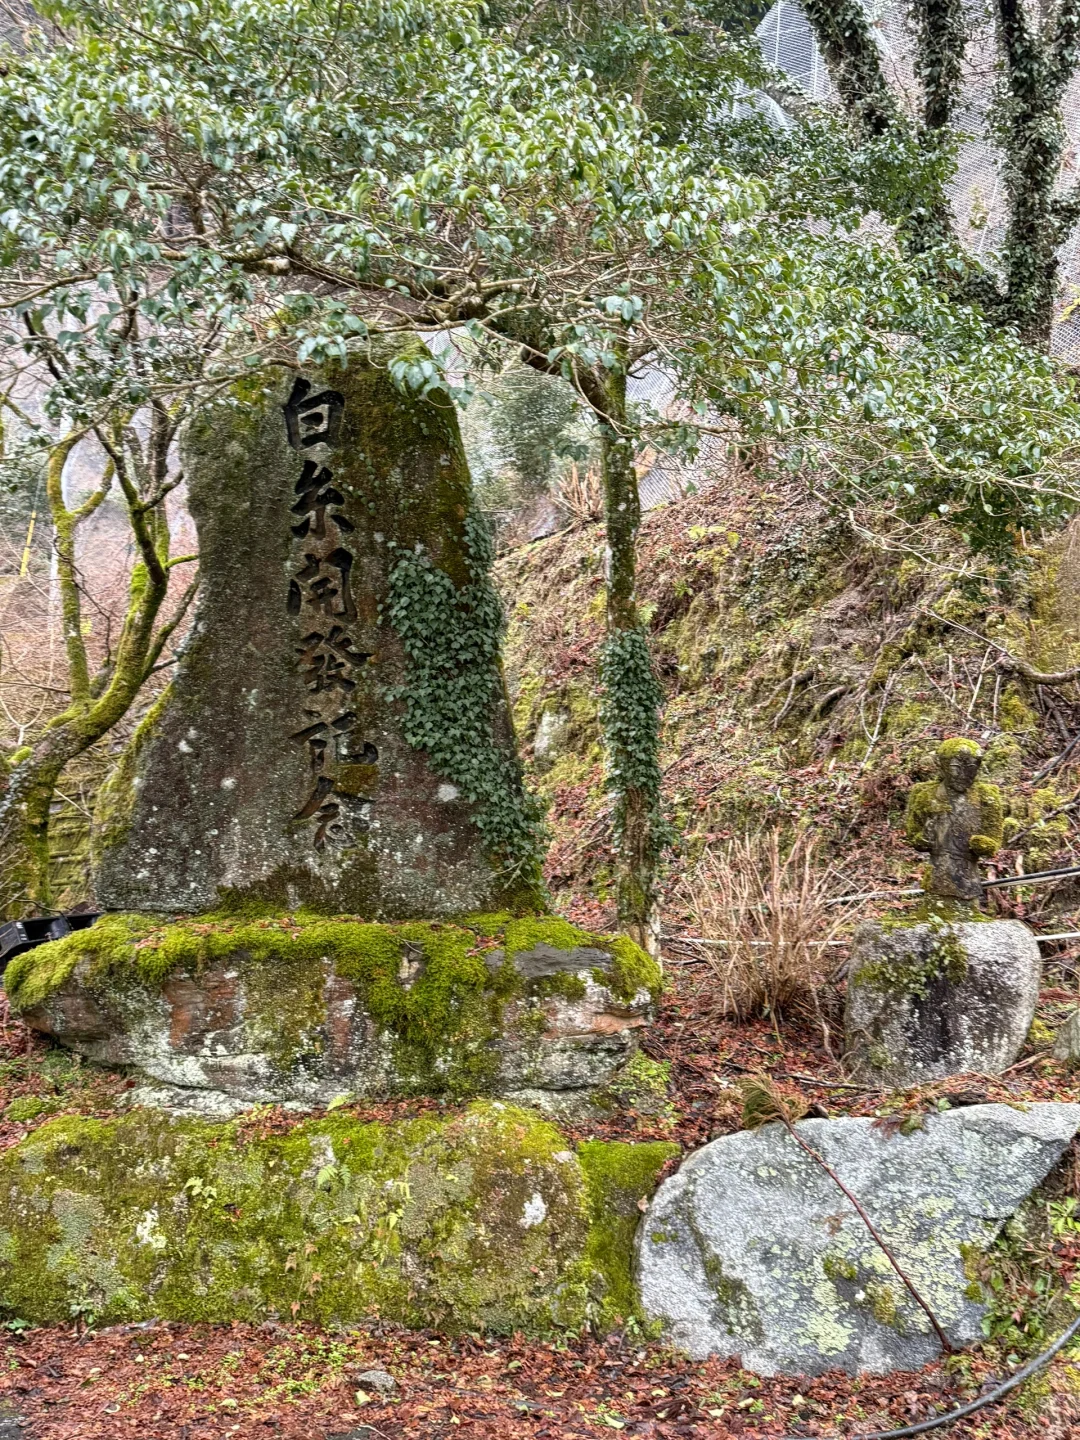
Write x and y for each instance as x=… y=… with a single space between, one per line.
x=1030 y=879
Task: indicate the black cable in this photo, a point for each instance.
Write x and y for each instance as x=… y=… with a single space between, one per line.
x=952 y=1416
x=1035 y=875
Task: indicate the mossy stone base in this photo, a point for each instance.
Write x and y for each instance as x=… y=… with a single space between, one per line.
x=302 y=1009
x=934 y=999
x=484 y=1220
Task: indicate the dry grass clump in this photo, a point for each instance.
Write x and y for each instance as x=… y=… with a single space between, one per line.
x=580 y=494
x=766 y=906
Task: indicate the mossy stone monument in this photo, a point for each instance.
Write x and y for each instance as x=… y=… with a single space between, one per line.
x=319 y=859
x=951 y=991
x=337 y=735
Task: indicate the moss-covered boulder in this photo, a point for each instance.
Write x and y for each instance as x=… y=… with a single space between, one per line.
x=936 y=998
x=484 y=1220
x=304 y=1008
x=337 y=734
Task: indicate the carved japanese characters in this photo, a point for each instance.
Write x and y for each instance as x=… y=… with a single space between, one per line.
x=280 y=766
x=320 y=594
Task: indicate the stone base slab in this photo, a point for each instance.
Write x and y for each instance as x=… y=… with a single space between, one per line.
x=284 y=1010
x=930 y=1000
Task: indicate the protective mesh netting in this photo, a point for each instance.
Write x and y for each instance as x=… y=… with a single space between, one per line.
x=787 y=42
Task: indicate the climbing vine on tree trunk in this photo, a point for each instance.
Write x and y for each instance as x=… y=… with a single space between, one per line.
x=630 y=706
x=1038 y=56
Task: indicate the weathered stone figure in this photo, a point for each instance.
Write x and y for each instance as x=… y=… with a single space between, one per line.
x=958 y=820
x=947 y=991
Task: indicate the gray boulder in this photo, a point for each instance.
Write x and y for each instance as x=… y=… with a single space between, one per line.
x=751 y=1250
x=930 y=1000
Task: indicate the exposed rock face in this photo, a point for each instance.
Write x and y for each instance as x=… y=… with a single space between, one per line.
x=752 y=1250
x=1067 y=1041
x=486 y=1219
x=926 y=1001
x=284 y=1010
x=346 y=632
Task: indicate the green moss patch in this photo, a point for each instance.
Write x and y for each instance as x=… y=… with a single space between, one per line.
x=618 y=1177
x=912 y=972
x=483 y=1220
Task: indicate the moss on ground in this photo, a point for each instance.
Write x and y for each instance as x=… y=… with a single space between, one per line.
x=483 y=1220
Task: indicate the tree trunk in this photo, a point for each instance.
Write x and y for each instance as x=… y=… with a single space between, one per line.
x=31 y=774
x=1038 y=63
x=25 y=809
x=630 y=708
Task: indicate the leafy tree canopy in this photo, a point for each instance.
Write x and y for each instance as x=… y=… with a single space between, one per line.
x=189 y=190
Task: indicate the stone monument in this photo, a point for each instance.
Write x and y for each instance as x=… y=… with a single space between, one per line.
x=952 y=991
x=345 y=613
x=958 y=820
x=320 y=837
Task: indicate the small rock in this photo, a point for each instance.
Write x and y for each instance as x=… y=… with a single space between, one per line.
x=1067 y=1042
x=752 y=1250
x=14 y=1428
x=362 y=1432
x=380 y=1380
x=932 y=1000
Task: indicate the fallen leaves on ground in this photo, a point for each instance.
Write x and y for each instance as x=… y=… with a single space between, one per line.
x=180 y=1382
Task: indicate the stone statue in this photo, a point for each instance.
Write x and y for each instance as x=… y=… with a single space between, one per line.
x=958 y=820
x=945 y=991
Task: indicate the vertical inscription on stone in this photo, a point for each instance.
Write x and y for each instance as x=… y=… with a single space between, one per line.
x=329 y=661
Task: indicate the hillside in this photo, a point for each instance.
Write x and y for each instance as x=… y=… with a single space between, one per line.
x=810 y=661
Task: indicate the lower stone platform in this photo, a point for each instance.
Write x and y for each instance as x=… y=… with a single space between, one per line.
x=302 y=1009
x=486 y=1219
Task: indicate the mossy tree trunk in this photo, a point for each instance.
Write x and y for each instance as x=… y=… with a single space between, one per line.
x=1036 y=69
x=1037 y=61
x=96 y=702
x=630 y=707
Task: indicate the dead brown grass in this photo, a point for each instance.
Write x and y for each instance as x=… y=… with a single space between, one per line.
x=764 y=905
x=580 y=495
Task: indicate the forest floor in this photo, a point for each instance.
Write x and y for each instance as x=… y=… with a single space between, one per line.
x=167 y=1381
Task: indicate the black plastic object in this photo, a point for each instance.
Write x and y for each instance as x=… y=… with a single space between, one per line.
x=19 y=935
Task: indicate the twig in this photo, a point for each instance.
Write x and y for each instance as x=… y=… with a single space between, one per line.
x=978 y=682
x=826 y=1084
x=702 y=940
x=1057 y=760
x=796 y=679
x=945 y=1345
x=876 y=895
x=877 y=727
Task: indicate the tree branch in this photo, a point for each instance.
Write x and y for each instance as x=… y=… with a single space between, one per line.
x=845 y=40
